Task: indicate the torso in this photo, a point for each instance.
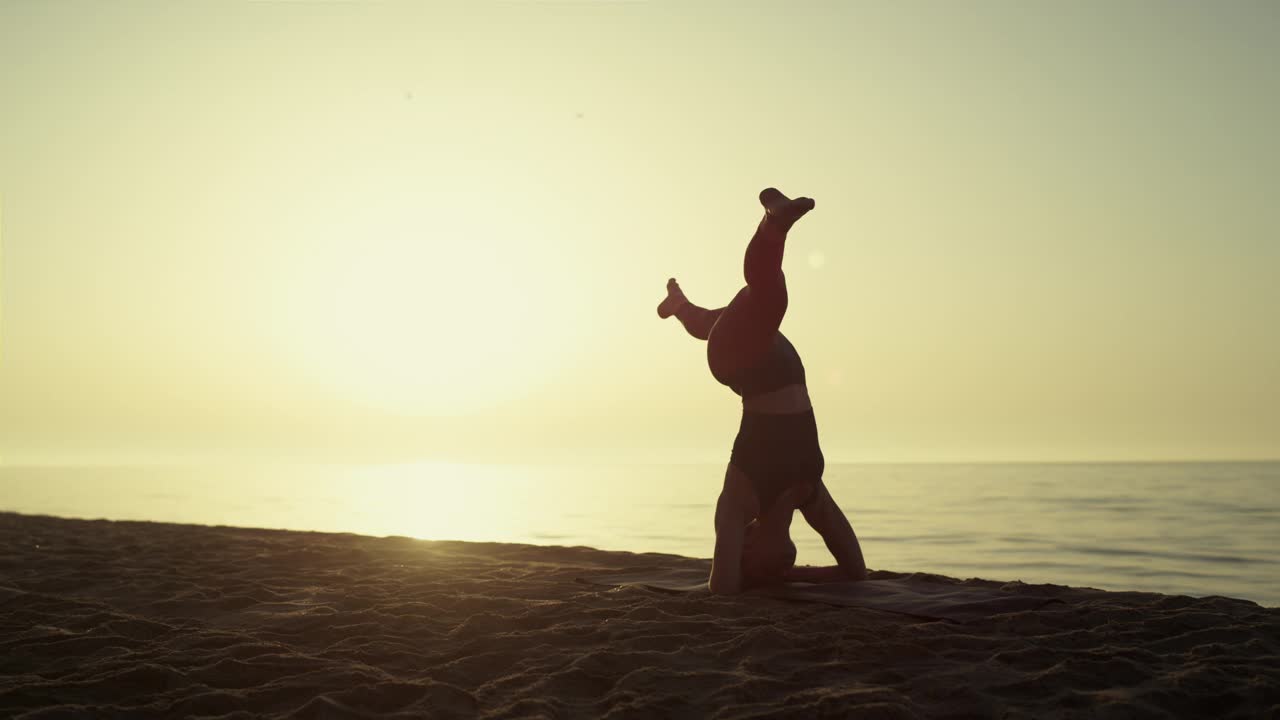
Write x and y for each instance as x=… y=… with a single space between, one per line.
x=777 y=442
x=773 y=372
x=786 y=400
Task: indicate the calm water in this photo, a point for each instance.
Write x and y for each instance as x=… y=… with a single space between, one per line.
x=1199 y=529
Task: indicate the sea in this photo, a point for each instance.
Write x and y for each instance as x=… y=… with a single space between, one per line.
x=1181 y=528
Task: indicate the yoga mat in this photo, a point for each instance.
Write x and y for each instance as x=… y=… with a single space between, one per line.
x=919 y=598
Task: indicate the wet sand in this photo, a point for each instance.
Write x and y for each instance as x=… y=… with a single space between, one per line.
x=147 y=620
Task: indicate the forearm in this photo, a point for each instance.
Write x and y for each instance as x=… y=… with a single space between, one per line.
x=726 y=571
x=830 y=522
x=726 y=562
x=847 y=551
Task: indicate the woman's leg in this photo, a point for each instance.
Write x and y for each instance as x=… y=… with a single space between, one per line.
x=747 y=326
x=762 y=264
x=697 y=320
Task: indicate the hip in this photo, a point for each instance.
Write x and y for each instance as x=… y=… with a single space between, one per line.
x=787 y=400
x=779 y=440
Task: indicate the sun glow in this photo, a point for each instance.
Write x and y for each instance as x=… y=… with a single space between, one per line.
x=418 y=314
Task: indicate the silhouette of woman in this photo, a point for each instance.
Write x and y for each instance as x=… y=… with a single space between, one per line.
x=776 y=464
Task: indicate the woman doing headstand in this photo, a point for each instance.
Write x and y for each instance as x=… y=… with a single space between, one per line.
x=776 y=464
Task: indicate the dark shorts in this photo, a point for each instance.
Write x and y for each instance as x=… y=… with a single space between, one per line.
x=778 y=451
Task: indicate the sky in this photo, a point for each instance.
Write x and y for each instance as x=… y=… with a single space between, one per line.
x=439 y=231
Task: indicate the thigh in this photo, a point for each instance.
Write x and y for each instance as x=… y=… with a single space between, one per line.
x=745 y=330
x=756 y=311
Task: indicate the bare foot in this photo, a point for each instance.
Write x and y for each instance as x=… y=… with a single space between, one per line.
x=782 y=209
x=674 y=301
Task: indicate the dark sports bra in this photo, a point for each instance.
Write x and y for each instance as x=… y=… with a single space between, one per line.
x=779 y=367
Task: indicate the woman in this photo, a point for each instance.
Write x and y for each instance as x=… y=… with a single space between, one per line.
x=776 y=464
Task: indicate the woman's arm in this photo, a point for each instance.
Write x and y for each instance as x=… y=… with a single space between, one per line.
x=734 y=509
x=825 y=517
x=698 y=321
x=731 y=531
x=776 y=521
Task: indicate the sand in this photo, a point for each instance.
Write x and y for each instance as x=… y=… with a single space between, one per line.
x=146 y=620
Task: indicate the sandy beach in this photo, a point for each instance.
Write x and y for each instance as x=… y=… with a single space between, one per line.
x=145 y=620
